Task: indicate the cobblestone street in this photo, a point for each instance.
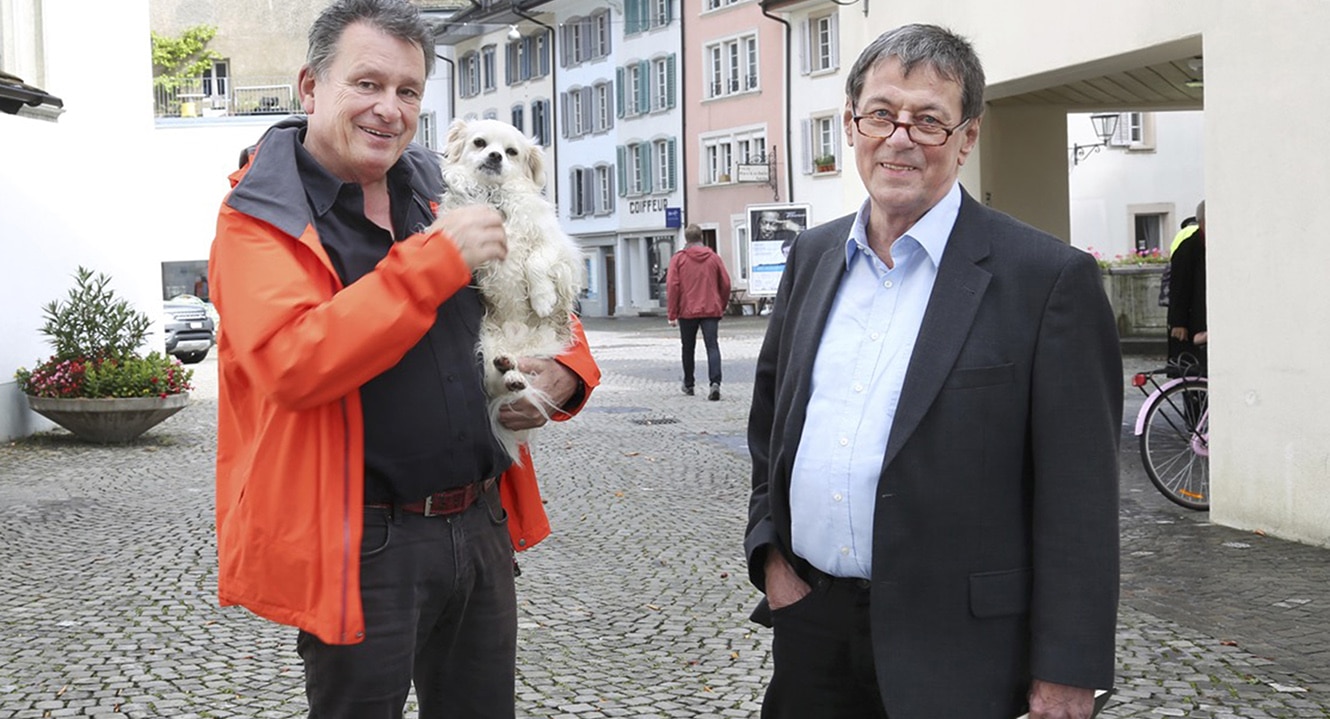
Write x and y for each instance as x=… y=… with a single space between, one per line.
x=636 y=607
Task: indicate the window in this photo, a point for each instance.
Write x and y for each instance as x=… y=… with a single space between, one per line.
x=21 y=41
x=540 y=122
x=604 y=190
x=731 y=66
x=741 y=248
x=578 y=112
x=1135 y=131
x=217 y=83
x=601 y=33
x=540 y=64
x=487 y=68
x=663 y=164
x=427 y=130
x=643 y=15
x=575 y=42
x=580 y=199
x=821 y=140
x=633 y=96
x=718 y=4
x=820 y=45
x=1149 y=230
x=721 y=151
x=604 y=116
x=636 y=170
x=468 y=70
x=662 y=83
x=518 y=120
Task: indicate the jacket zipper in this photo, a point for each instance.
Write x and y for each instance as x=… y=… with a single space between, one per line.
x=346 y=515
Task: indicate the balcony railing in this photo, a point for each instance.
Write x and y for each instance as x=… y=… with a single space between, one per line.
x=220 y=97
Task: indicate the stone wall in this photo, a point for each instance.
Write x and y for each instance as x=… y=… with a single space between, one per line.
x=1134 y=294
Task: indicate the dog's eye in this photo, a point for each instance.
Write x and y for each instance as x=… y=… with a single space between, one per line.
x=479 y=142
x=512 y=152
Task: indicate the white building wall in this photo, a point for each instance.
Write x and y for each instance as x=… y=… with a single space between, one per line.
x=813 y=94
x=1112 y=181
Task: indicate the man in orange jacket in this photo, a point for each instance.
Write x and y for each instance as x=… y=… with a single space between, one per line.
x=361 y=496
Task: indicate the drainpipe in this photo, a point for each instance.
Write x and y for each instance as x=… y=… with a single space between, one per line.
x=554 y=92
x=452 y=87
x=789 y=165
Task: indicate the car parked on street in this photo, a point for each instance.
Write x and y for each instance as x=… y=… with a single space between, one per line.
x=190 y=330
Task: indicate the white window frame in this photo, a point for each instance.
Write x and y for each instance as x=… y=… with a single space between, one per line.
x=662 y=161
x=731 y=66
x=488 y=69
x=604 y=107
x=632 y=89
x=660 y=83
x=722 y=150
x=823 y=44
x=636 y=173
x=604 y=190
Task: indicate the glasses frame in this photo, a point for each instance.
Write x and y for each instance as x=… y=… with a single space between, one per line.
x=896 y=124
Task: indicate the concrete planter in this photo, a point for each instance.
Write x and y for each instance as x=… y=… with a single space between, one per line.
x=1133 y=291
x=109 y=421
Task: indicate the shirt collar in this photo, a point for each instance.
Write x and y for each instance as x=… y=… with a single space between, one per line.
x=931 y=231
x=324 y=188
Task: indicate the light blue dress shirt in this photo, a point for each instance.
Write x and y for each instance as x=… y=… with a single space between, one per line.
x=857 y=379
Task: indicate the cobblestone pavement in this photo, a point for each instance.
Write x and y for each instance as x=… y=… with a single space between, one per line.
x=636 y=607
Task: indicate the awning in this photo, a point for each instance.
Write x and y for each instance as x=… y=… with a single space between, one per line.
x=16 y=94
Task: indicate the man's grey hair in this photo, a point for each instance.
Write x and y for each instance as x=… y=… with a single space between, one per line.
x=692 y=234
x=947 y=53
x=397 y=18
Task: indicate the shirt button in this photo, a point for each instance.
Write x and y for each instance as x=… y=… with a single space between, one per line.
x=845 y=551
x=874 y=336
x=837 y=496
x=887 y=284
x=858 y=387
x=844 y=441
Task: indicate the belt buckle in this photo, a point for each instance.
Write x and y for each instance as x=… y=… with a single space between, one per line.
x=429 y=507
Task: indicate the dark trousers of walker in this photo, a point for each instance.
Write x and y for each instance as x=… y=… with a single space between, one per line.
x=440 y=612
x=710 y=327
x=822 y=651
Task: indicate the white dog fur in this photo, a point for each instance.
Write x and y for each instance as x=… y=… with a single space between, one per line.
x=529 y=295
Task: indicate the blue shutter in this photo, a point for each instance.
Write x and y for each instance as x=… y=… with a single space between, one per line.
x=643 y=87
x=644 y=162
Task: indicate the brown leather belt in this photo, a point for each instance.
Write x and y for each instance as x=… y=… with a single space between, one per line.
x=445 y=503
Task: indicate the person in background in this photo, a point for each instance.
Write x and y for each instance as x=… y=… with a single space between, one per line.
x=1186 y=303
x=697 y=289
x=934 y=433
x=361 y=495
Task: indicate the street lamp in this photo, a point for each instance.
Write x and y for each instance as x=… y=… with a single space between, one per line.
x=1105 y=125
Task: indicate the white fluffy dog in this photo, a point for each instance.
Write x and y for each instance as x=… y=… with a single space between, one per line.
x=530 y=294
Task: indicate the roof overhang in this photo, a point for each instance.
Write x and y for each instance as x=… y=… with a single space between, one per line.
x=20 y=98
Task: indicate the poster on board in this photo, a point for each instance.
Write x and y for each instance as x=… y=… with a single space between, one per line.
x=771 y=230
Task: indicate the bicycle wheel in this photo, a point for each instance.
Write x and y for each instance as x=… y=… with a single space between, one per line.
x=1175 y=444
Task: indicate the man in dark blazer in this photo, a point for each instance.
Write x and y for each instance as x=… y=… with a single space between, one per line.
x=934 y=433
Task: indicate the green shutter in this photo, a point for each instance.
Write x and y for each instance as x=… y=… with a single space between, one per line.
x=670 y=82
x=618 y=92
x=622 y=170
x=643 y=87
x=644 y=162
x=674 y=180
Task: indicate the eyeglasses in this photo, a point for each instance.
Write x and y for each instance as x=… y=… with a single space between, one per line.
x=878 y=125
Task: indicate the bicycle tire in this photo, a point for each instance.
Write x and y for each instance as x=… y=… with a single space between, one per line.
x=1174 y=450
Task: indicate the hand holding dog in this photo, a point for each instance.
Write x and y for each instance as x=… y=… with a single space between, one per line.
x=553 y=379
x=477 y=231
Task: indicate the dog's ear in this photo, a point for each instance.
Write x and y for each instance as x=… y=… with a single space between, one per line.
x=535 y=165
x=455 y=140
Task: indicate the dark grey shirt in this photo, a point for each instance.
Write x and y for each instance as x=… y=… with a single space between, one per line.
x=426 y=419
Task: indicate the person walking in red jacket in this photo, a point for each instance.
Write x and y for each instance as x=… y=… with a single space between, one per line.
x=697 y=288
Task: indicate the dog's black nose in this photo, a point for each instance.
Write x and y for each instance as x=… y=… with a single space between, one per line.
x=495 y=156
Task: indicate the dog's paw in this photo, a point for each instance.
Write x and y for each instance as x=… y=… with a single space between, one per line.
x=514 y=381
x=542 y=303
x=505 y=363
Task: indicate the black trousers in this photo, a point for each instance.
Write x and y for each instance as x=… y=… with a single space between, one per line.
x=710 y=327
x=822 y=651
x=440 y=611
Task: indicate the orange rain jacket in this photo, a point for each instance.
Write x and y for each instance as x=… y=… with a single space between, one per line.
x=295 y=349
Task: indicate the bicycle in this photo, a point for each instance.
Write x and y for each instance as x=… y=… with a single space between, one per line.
x=1174 y=430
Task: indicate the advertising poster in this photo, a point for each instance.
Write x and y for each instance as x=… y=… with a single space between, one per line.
x=771 y=230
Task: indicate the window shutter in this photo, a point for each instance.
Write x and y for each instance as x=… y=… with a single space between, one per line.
x=621 y=169
x=806 y=132
x=835 y=42
x=670 y=83
x=565 y=35
x=618 y=92
x=643 y=87
x=674 y=166
x=509 y=62
x=805 y=45
x=563 y=114
x=632 y=12
x=609 y=177
x=669 y=12
x=588 y=191
x=588 y=110
x=609 y=33
x=574 y=210
x=644 y=162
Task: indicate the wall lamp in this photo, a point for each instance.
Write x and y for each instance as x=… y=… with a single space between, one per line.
x=1105 y=125
x=513 y=33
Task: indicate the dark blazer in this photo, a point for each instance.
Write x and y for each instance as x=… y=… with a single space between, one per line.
x=995 y=545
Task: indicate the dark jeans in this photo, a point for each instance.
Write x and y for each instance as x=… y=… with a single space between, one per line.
x=688 y=335
x=440 y=610
x=822 y=656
